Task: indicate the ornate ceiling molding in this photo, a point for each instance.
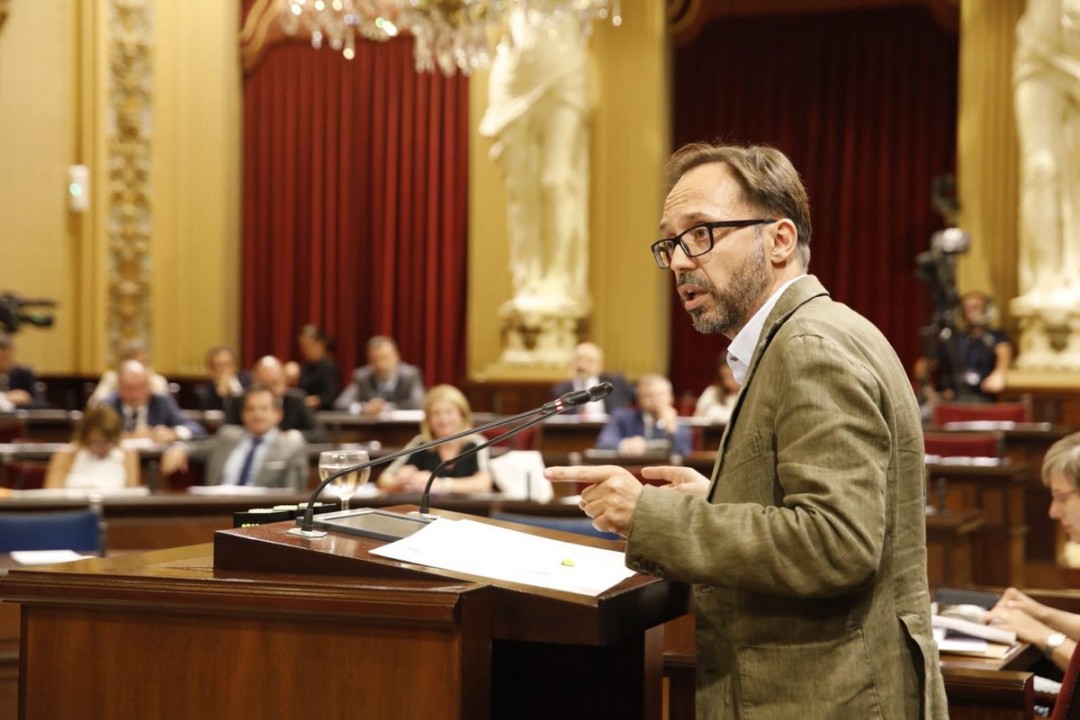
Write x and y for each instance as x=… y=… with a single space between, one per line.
x=129 y=213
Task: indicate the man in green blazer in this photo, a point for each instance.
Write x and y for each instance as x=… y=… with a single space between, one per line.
x=807 y=548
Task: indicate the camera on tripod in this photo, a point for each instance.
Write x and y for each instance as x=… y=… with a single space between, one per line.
x=16 y=310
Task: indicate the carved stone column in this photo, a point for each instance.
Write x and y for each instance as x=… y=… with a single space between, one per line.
x=129 y=210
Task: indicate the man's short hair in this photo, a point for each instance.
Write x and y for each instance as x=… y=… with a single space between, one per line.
x=257 y=388
x=654 y=379
x=218 y=350
x=769 y=182
x=378 y=341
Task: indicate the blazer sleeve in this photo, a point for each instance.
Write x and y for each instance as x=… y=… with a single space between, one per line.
x=415 y=398
x=296 y=475
x=348 y=396
x=173 y=416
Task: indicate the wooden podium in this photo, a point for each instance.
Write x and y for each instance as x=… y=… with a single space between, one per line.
x=265 y=624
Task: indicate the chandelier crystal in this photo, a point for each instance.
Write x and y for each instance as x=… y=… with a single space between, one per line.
x=453 y=35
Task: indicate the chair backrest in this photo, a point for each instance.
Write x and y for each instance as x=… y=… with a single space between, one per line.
x=948 y=412
x=580 y=526
x=25 y=474
x=63 y=530
x=975 y=444
x=1067 y=705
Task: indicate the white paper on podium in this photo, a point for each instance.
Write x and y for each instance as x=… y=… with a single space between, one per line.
x=500 y=554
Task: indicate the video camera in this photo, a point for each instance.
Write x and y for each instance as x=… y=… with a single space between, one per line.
x=16 y=310
x=937 y=267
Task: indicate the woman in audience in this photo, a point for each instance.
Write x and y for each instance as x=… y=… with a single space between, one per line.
x=319 y=378
x=94 y=460
x=1053 y=630
x=446 y=412
x=718 y=400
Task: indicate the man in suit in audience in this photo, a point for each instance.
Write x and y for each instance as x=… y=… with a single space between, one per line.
x=807 y=548
x=588 y=371
x=653 y=426
x=225 y=386
x=144 y=414
x=385 y=383
x=258 y=454
x=17 y=382
x=296 y=415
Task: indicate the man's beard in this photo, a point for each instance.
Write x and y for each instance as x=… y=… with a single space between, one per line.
x=731 y=306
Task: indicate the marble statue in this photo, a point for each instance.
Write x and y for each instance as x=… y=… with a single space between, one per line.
x=536 y=116
x=1046 y=80
x=1047 y=102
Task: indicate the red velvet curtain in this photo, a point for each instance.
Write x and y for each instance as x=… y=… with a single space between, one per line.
x=864 y=104
x=355 y=177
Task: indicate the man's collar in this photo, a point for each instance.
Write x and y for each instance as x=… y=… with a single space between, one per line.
x=741 y=349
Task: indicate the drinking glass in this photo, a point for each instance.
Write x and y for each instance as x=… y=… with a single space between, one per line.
x=332 y=461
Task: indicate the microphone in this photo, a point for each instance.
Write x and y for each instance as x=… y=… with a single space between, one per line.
x=565 y=402
x=572 y=399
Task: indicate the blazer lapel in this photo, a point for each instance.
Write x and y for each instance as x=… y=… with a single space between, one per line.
x=797 y=294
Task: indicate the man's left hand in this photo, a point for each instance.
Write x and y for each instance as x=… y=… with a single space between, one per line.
x=610 y=498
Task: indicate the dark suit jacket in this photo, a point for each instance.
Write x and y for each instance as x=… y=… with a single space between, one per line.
x=407 y=394
x=321 y=378
x=629 y=422
x=622 y=393
x=22 y=377
x=162 y=410
x=296 y=415
x=208 y=397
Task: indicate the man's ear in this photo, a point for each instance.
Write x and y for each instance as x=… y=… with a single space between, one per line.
x=785 y=240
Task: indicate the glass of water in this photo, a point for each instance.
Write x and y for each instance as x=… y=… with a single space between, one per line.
x=333 y=461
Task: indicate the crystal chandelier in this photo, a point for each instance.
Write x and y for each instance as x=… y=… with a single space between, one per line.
x=455 y=35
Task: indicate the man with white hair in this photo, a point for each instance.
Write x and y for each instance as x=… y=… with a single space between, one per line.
x=588 y=370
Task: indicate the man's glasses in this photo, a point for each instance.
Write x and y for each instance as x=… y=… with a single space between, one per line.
x=698 y=240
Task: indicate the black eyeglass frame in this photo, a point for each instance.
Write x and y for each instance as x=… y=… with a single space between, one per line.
x=669 y=244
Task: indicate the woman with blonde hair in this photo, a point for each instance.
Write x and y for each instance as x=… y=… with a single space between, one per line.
x=94 y=460
x=446 y=412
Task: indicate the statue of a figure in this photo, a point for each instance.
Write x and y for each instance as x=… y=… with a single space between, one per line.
x=1046 y=78
x=536 y=115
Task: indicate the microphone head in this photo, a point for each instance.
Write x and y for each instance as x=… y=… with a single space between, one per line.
x=598 y=392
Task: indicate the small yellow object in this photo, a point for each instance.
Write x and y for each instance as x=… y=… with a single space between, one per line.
x=569 y=562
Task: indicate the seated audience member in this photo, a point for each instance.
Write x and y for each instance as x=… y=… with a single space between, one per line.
x=296 y=415
x=1055 y=631
x=588 y=370
x=972 y=360
x=145 y=414
x=109 y=382
x=17 y=382
x=318 y=372
x=446 y=412
x=258 y=454
x=652 y=426
x=225 y=386
x=385 y=383
x=718 y=400
x=94 y=460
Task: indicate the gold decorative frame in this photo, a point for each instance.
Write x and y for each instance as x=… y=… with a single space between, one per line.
x=129 y=212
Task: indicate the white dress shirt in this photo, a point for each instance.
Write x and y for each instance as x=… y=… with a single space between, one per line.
x=741 y=349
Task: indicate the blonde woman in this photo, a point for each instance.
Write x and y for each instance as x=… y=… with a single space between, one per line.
x=446 y=412
x=94 y=460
